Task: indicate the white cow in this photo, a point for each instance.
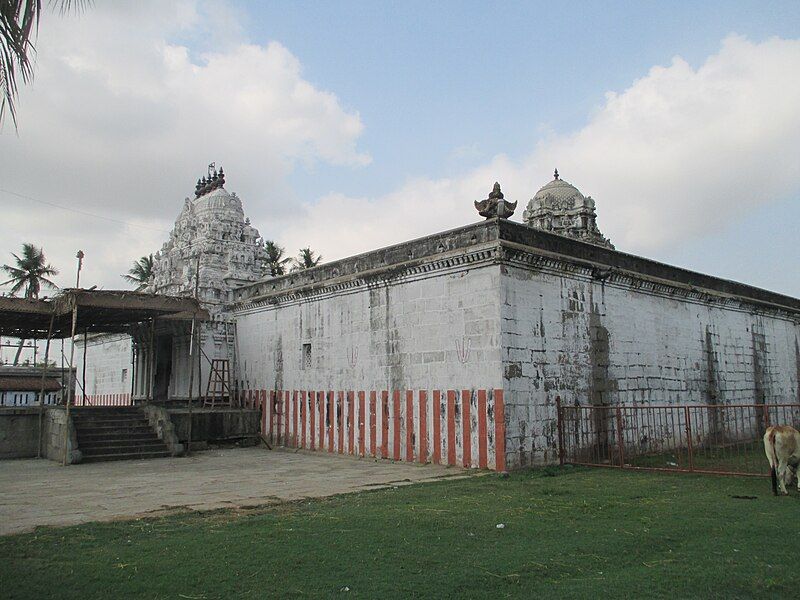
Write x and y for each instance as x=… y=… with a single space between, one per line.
x=782 y=445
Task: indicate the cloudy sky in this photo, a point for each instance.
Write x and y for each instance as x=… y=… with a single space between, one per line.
x=352 y=125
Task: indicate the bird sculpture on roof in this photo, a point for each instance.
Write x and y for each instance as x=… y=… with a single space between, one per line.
x=495 y=205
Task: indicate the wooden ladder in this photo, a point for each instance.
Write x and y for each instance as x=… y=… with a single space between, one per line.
x=218 y=392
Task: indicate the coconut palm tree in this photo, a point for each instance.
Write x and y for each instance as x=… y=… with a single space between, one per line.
x=140 y=273
x=276 y=261
x=31 y=272
x=19 y=22
x=306 y=260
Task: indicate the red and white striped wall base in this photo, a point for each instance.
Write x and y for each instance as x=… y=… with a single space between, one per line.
x=104 y=400
x=448 y=427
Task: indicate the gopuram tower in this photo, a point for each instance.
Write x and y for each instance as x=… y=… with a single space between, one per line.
x=211 y=250
x=212 y=239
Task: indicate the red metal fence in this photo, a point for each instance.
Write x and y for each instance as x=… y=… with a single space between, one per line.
x=721 y=439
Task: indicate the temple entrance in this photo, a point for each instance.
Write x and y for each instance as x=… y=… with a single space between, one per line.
x=163 y=367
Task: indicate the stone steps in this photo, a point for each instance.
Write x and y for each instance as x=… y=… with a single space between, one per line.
x=105 y=427
x=116 y=433
x=122 y=442
x=129 y=448
x=139 y=456
x=114 y=438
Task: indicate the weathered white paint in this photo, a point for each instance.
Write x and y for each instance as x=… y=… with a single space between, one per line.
x=557 y=331
x=210 y=230
x=108 y=365
x=592 y=342
x=396 y=335
x=110 y=361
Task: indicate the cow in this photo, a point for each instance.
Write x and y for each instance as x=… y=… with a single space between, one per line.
x=782 y=446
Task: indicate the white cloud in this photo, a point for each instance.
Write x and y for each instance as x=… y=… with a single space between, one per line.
x=121 y=120
x=122 y=115
x=680 y=152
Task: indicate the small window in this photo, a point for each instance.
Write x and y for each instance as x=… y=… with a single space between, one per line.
x=306 y=364
x=124 y=375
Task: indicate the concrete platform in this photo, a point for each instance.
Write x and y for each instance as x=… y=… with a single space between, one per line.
x=215 y=424
x=41 y=492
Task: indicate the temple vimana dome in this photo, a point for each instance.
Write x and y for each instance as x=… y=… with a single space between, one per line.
x=560 y=208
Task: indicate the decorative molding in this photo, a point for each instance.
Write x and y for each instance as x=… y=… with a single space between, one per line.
x=391 y=275
x=627 y=280
x=533 y=249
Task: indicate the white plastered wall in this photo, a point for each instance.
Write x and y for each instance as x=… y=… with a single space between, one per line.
x=440 y=331
x=587 y=341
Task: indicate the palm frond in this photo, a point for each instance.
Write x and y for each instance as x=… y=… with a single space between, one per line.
x=13 y=271
x=306 y=260
x=276 y=261
x=140 y=273
x=19 y=22
x=48 y=282
x=17 y=286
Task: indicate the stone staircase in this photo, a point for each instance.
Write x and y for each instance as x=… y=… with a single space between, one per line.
x=115 y=433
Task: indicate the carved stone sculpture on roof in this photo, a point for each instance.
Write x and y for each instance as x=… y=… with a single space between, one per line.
x=560 y=208
x=495 y=205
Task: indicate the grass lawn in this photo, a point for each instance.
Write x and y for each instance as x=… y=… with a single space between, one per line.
x=589 y=533
x=744 y=457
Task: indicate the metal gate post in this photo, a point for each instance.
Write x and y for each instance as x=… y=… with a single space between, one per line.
x=620 y=444
x=560 y=421
x=688 y=426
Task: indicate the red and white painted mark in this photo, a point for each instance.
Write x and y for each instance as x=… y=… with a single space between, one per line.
x=453 y=427
x=104 y=400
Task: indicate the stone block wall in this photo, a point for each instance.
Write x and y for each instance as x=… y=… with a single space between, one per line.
x=438 y=331
x=110 y=367
x=618 y=341
x=500 y=306
x=54 y=437
x=19 y=432
x=215 y=426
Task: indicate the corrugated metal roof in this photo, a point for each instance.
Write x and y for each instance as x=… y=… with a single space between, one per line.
x=109 y=311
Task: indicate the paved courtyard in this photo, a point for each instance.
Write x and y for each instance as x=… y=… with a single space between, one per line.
x=41 y=492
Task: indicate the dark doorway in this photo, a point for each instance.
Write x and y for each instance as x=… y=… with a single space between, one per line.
x=163 y=367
